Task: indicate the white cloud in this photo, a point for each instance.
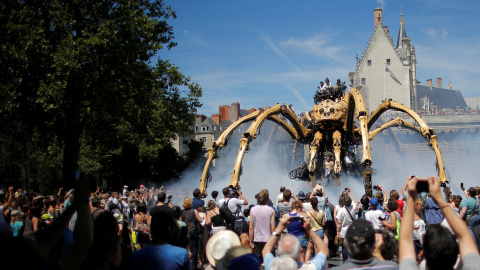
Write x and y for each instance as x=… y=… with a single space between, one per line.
x=382 y=3
x=297 y=94
x=281 y=54
x=318 y=46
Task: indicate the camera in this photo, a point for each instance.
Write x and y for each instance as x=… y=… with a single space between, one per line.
x=346 y=189
x=233 y=192
x=169 y=199
x=422 y=185
x=376 y=187
x=381 y=218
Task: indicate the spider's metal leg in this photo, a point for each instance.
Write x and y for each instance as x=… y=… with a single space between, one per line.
x=394 y=122
x=337 y=144
x=218 y=144
x=313 y=151
x=423 y=129
x=296 y=132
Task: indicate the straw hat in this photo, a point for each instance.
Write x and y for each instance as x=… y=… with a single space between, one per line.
x=218 y=245
x=231 y=254
x=318 y=189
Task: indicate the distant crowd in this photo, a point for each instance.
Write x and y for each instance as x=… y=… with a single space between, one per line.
x=414 y=227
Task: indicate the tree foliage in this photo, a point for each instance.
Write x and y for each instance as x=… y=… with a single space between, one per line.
x=86 y=75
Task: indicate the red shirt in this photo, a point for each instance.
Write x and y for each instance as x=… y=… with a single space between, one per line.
x=400 y=207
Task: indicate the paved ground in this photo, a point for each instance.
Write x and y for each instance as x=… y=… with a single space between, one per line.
x=335 y=261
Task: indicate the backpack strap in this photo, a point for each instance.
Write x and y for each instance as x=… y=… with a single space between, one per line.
x=473 y=211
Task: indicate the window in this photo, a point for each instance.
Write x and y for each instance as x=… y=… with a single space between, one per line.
x=204 y=128
x=388 y=62
x=369 y=62
x=203 y=139
x=364 y=81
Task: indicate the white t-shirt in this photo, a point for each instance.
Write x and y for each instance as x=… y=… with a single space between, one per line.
x=235 y=206
x=374 y=217
x=279 y=199
x=345 y=217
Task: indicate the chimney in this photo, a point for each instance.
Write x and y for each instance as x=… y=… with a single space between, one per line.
x=224 y=112
x=201 y=117
x=216 y=118
x=385 y=28
x=429 y=82
x=251 y=110
x=234 y=111
x=439 y=82
x=377 y=16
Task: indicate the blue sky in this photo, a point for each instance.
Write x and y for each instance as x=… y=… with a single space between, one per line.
x=260 y=53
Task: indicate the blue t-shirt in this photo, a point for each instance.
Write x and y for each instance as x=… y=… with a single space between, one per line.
x=320 y=261
x=197 y=203
x=161 y=257
x=434 y=213
x=470 y=204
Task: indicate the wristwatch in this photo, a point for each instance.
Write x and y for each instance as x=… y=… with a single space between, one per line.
x=275 y=234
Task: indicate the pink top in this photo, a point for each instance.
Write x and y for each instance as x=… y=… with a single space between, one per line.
x=261 y=216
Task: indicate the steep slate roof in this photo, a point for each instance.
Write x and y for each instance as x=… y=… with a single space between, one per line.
x=442 y=97
x=401 y=33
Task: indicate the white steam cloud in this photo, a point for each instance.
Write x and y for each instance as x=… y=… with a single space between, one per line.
x=268 y=169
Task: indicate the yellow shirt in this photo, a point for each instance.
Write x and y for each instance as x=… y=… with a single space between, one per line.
x=316 y=218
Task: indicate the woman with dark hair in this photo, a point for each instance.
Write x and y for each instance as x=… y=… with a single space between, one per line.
x=141 y=226
x=365 y=202
x=469 y=208
x=390 y=222
x=32 y=224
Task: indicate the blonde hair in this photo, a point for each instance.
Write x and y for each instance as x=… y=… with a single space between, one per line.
x=187 y=203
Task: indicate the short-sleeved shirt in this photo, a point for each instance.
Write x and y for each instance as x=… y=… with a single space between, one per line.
x=197 y=203
x=470 y=204
x=319 y=262
x=433 y=211
x=235 y=206
x=284 y=208
x=470 y=261
x=371 y=263
x=345 y=217
x=374 y=217
x=161 y=257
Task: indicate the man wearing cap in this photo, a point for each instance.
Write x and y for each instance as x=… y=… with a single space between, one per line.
x=289 y=246
x=360 y=241
x=374 y=215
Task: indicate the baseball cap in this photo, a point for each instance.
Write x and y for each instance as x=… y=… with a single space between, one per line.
x=360 y=229
x=373 y=201
x=247 y=261
x=301 y=195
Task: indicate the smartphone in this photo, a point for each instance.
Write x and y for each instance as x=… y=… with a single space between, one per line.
x=422 y=185
x=461 y=185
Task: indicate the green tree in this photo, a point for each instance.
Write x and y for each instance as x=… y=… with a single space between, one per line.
x=87 y=74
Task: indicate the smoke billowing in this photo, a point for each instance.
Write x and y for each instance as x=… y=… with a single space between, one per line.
x=393 y=163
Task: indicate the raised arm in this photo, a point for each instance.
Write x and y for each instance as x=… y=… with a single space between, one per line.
x=10 y=198
x=245 y=202
x=405 y=242
x=465 y=240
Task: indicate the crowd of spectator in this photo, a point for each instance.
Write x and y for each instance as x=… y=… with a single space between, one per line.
x=84 y=228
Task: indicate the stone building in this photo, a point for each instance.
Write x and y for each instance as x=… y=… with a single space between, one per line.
x=387 y=70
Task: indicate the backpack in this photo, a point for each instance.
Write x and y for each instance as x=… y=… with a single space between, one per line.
x=227 y=215
x=397 y=230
